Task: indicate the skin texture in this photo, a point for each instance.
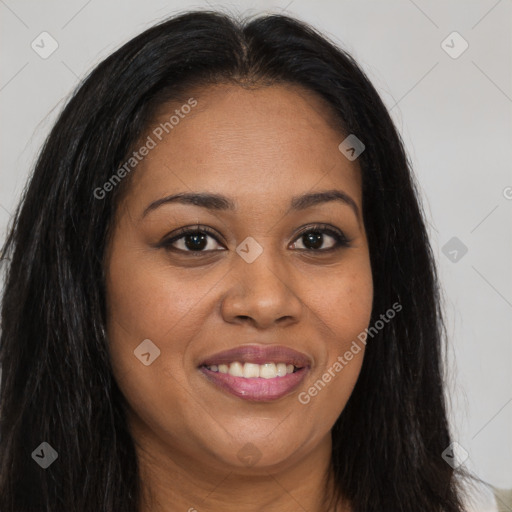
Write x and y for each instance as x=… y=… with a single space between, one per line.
x=260 y=147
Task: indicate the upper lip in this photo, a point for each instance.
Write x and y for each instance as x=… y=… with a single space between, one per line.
x=259 y=354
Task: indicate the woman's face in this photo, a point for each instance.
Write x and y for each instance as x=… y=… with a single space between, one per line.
x=269 y=283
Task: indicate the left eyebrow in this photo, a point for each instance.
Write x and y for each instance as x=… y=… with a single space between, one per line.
x=219 y=202
x=314 y=198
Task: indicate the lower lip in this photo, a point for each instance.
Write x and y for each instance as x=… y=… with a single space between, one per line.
x=256 y=389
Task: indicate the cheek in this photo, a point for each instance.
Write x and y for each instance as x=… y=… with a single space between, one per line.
x=343 y=310
x=355 y=300
x=354 y=306
x=147 y=302
x=146 y=298
x=344 y=302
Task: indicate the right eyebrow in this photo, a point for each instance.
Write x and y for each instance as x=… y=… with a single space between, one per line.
x=205 y=200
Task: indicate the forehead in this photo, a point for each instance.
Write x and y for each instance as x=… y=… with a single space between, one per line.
x=267 y=143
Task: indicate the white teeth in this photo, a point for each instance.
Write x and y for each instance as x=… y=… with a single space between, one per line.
x=268 y=371
x=235 y=369
x=281 y=369
x=252 y=370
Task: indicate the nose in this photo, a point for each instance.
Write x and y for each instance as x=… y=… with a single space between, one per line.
x=263 y=294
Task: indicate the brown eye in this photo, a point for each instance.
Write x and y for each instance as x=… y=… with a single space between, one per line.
x=314 y=238
x=197 y=239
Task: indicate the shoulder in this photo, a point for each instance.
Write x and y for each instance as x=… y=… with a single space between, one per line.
x=504 y=498
x=478 y=497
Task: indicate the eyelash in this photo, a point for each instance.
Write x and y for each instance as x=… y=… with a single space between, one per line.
x=341 y=240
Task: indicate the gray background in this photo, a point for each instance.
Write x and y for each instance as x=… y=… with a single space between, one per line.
x=454 y=115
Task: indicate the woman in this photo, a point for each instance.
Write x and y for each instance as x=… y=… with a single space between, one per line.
x=221 y=293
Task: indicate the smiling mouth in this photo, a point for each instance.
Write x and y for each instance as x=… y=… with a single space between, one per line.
x=259 y=373
x=253 y=370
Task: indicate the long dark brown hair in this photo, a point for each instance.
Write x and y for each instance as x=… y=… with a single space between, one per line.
x=57 y=384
